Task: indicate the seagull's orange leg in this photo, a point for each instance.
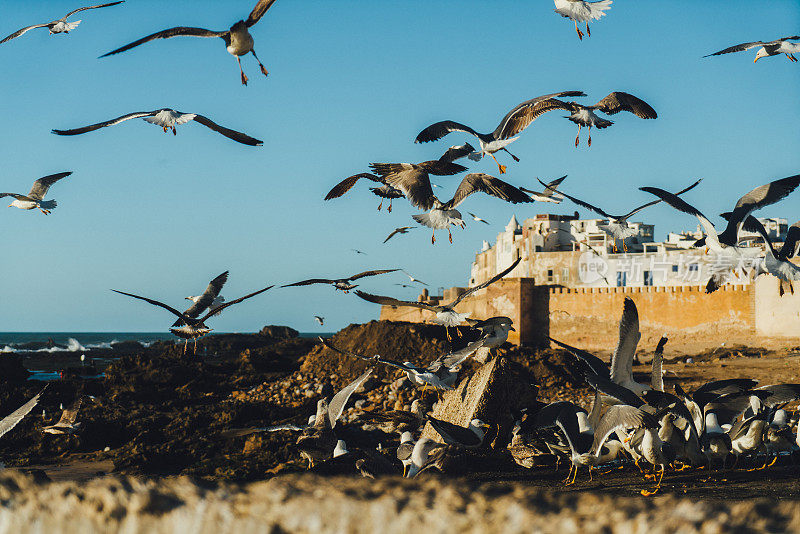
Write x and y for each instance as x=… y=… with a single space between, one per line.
x=380 y=205
x=174 y=131
x=580 y=33
x=624 y=246
x=578 y=136
x=263 y=70
x=449 y=235
x=590 y=135
x=588 y=32
x=389 y=209
x=433 y=238
x=501 y=167
x=244 y=78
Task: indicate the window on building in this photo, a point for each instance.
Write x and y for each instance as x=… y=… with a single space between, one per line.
x=648 y=278
x=537 y=248
x=622 y=278
x=693 y=267
x=549 y=275
x=674 y=268
x=565 y=274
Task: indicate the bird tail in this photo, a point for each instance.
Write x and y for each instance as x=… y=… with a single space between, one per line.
x=72 y=25
x=597 y=8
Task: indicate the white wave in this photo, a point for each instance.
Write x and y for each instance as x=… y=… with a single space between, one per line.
x=8 y=350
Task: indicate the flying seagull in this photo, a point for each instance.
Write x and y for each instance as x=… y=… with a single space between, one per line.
x=610 y=105
x=167 y=119
x=384 y=191
x=767 y=48
x=193 y=328
x=478 y=219
x=727 y=242
x=442 y=214
x=411 y=278
x=209 y=299
x=58 y=26
x=342 y=284
x=237 y=39
x=617 y=226
x=445 y=313
x=776 y=261
x=320 y=320
x=512 y=124
x=582 y=11
x=401 y=230
x=67 y=423
x=398 y=175
x=549 y=194
x=358 y=251
x=35 y=198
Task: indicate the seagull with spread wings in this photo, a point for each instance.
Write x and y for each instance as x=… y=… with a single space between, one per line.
x=58 y=26
x=617 y=226
x=417 y=188
x=35 y=198
x=613 y=103
x=68 y=423
x=167 y=119
x=512 y=124
x=776 y=262
x=209 y=299
x=342 y=284
x=767 y=48
x=192 y=327
x=445 y=313
x=401 y=230
x=582 y=11
x=383 y=191
x=238 y=39
x=550 y=194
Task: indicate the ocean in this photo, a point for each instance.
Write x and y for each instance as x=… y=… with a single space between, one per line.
x=11 y=342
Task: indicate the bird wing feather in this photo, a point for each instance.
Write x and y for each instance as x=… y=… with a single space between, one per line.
x=629 y=335
x=13 y=419
x=371 y=273
x=338 y=402
x=40 y=186
x=487 y=283
x=390 y=301
x=619 y=101
x=166 y=34
x=437 y=130
x=239 y=137
x=345 y=185
x=216 y=309
x=206 y=299
x=92 y=7
x=484 y=183
x=258 y=11
x=525 y=113
x=24 y=30
x=112 y=122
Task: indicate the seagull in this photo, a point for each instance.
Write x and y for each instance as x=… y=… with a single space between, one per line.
x=67 y=423
x=320 y=320
x=470 y=437
x=342 y=284
x=61 y=25
x=209 y=299
x=419 y=456
x=776 y=261
x=193 y=328
x=478 y=219
x=622 y=359
x=399 y=420
x=445 y=313
x=14 y=418
x=384 y=191
x=442 y=215
x=358 y=251
x=35 y=198
x=727 y=243
x=512 y=124
x=617 y=226
x=611 y=104
x=412 y=278
x=582 y=11
x=237 y=39
x=767 y=48
x=401 y=230
x=167 y=119
x=549 y=194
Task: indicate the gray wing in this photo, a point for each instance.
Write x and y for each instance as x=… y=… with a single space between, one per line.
x=781 y=393
x=487 y=283
x=454 y=434
x=457 y=152
x=24 y=30
x=438 y=130
x=12 y=420
x=390 y=301
x=350 y=354
x=758 y=198
x=70 y=414
x=458 y=357
x=525 y=113
x=345 y=185
x=412 y=180
x=311 y=281
x=153 y=302
x=596 y=364
x=580 y=203
x=112 y=122
x=16 y=195
x=40 y=186
x=371 y=273
x=656 y=375
x=404 y=450
x=215 y=310
x=338 y=402
x=612 y=389
x=738 y=48
x=617 y=417
x=551 y=188
x=654 y=202
x=239 y=137
x=484 y=183
x=206 y=299
x=619 y=101
x=681 y=205
x=261 y=7
x=166 y=34
x=790 y=245
x=91 y=7
x=622 y=359
x=401 y=230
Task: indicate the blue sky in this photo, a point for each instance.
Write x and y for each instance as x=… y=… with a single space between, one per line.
x=351 y=83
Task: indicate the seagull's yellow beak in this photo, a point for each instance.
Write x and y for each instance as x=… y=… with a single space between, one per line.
x=756 y=59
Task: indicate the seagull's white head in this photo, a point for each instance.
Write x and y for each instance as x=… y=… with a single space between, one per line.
x=762 y=52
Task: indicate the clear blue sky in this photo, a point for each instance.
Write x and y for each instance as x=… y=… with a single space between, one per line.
x=351 y=82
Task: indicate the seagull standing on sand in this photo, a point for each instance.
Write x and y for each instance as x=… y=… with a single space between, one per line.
x=512 y=124
x=209 y=299
x=767 y=48
x=238 y=40
x=582 y=11
x=167 y=119
x=617 y=226
x=61 y=25
x=35 y=198
x=446 y=314
x=342 y=284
